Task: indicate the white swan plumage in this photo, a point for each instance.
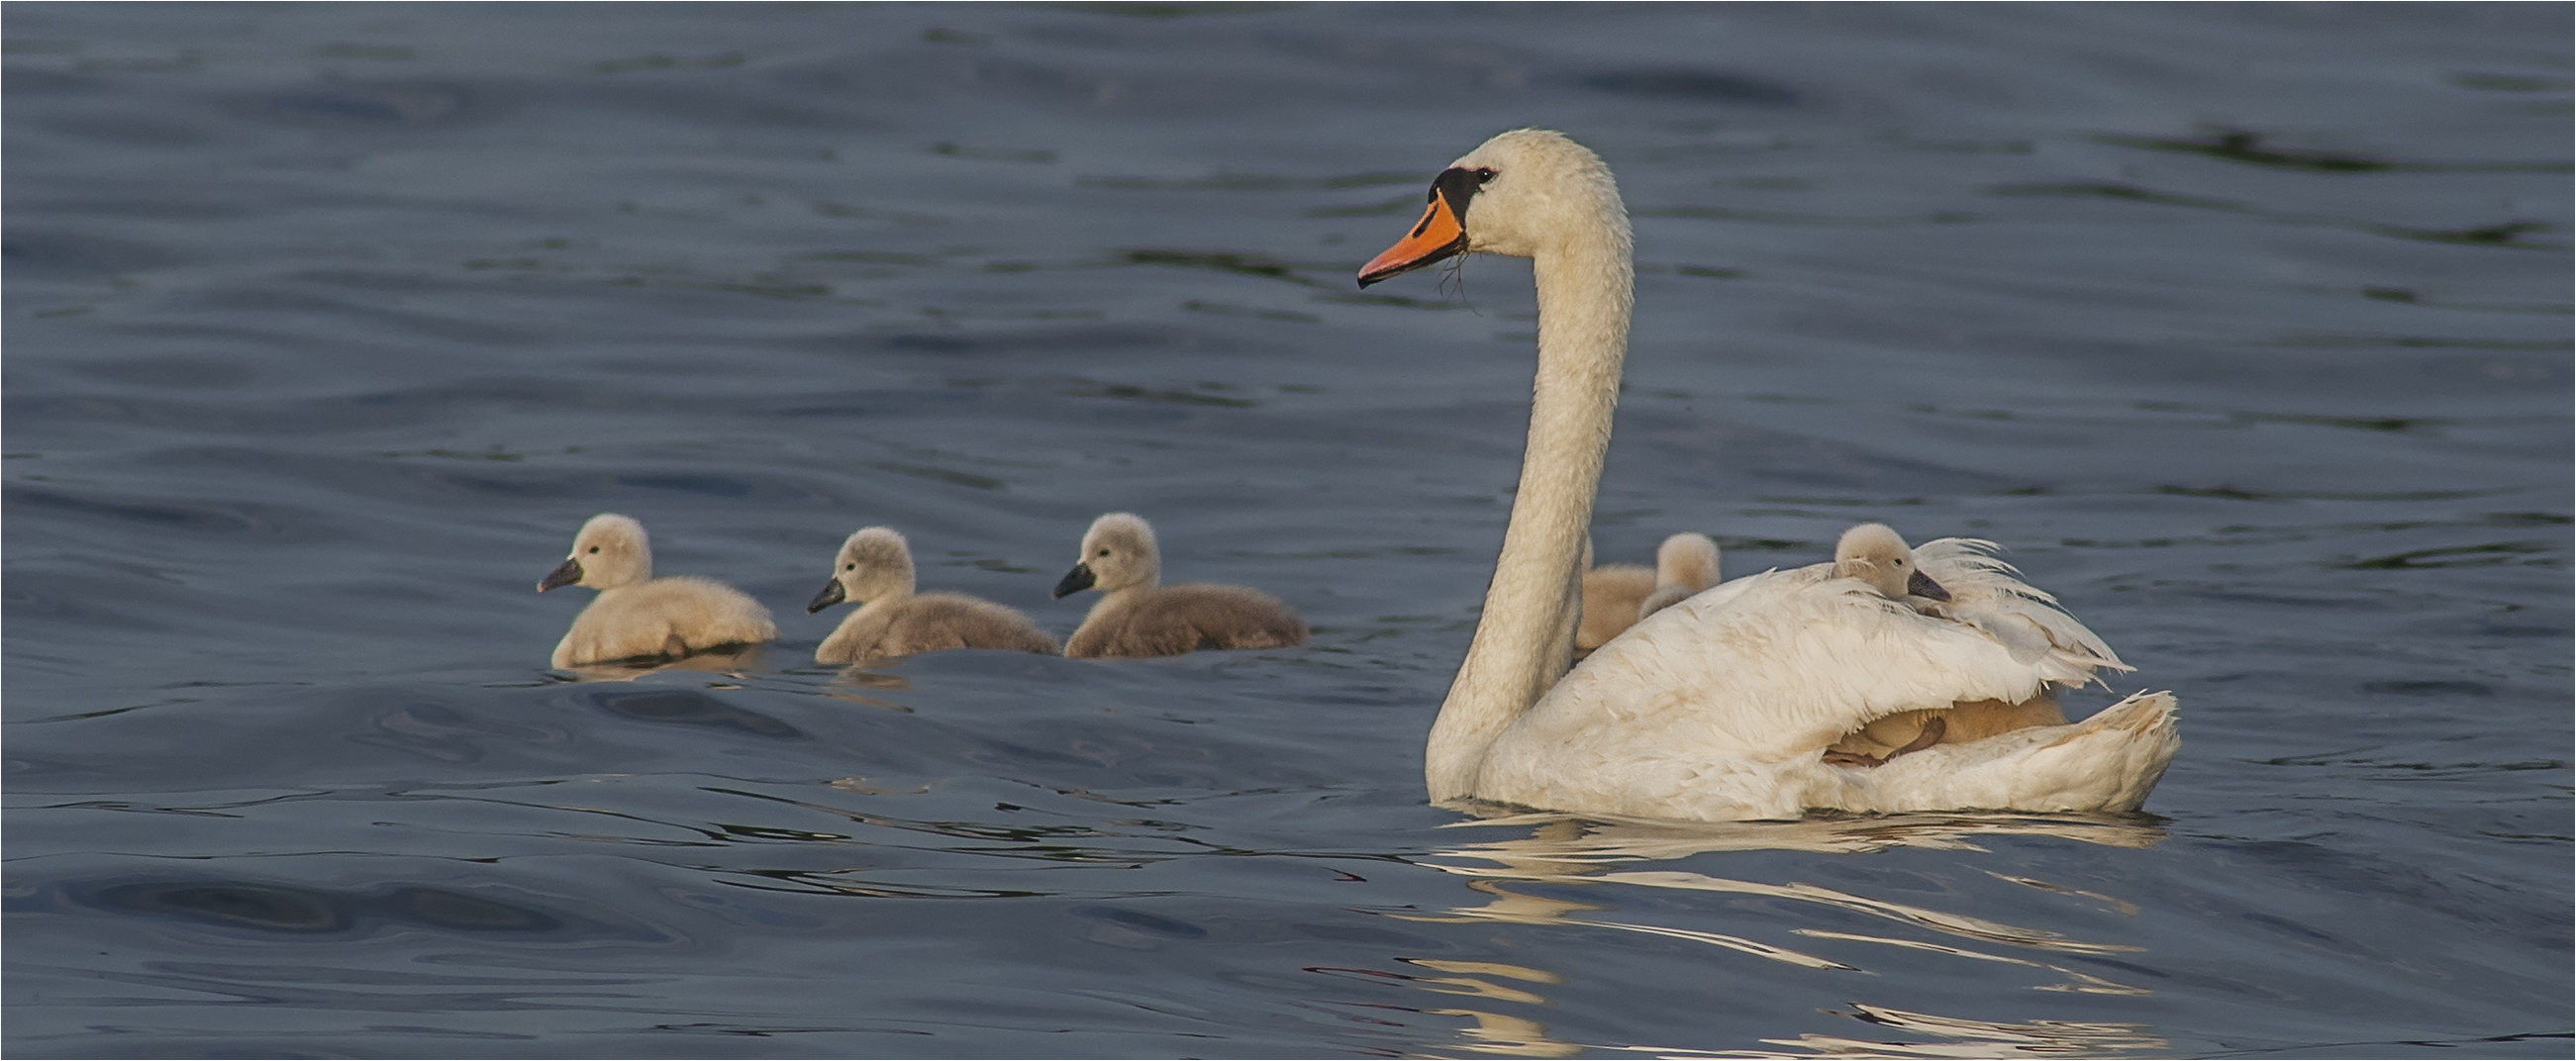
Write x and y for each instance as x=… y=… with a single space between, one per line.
x=1722 y=706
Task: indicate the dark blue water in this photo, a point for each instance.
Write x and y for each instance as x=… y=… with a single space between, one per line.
x=2244 y=329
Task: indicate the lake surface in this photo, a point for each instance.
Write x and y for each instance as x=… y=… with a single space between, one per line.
x=2244 y=329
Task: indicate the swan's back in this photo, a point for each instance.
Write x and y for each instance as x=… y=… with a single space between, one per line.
x=1719 y=707
x=932 y=622
x=1756 y=676
x=1190 y=617
x=671 y=616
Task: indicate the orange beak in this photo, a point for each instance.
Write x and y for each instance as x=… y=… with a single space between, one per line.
x=1438 y=236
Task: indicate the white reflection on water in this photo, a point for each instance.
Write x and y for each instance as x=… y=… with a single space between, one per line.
x=1974 y=1038
x=1580 y=851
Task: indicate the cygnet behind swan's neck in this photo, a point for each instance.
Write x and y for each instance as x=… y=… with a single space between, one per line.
x=1524 y=640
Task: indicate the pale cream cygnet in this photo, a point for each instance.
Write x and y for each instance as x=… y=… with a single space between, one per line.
x=1876 y=555
x=638 y=616
x=875 y=568
x=1137 y=616
x=1615 y=596
x=1685 y=565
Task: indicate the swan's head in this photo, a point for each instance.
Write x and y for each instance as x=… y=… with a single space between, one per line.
x=1117 y=553
x=1522 y=193
x=874 y=564
x=1874 y=554
x=610 y=551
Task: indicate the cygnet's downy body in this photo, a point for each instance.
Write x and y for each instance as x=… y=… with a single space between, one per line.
x=637 y=616
x=875 y=568
x=1615 y=596
x=1137 y=616
x=1611 y=593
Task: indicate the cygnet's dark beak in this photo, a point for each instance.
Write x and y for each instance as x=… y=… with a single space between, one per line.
x=830 y=595
x=1921 y=585
x=564 y=574
x=1075 y=581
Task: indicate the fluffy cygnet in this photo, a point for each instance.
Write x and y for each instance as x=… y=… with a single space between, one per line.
x=637 y=615
x=1684 y=565
x=875 y=568
x=1611 y=594
x=1135 y=618
x=1874 y=553
x=1615 y=596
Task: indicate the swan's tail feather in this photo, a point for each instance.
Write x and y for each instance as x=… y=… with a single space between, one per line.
x=2143 y=731
x=2108 y=762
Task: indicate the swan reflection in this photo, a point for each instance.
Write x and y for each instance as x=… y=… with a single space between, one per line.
x=1591 y=852
x=1974 y=1038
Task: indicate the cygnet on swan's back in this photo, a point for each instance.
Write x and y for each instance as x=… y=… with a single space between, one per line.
x=1611 y=593
x=637 y=615
x=1685 y=565
x=1135 y=618
x=875 y=568
x=1876 y=555
x=1957 y=579
x=1615 y=596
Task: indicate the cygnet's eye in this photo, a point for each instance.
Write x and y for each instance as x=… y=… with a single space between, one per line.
x=1484 y=175
x=594 y=548
x=1104 y=552
x=1900 y=561
x=850 y=567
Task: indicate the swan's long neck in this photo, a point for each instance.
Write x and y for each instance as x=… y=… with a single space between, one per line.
x=1525 y=639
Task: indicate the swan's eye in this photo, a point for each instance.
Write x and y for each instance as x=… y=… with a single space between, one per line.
x=594 y=548
x=849 y=567
x=1900 y=561
x=1103 y=552
x=1484 y=175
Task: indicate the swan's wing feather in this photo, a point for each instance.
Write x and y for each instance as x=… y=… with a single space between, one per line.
x=1770 y=667
x=2025 y=639
x=1988 y=594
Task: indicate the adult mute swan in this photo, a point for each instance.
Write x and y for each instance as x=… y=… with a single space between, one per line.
x=874 y=567
x=637 y=615
x=1137 y=616
x=1721 y=707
